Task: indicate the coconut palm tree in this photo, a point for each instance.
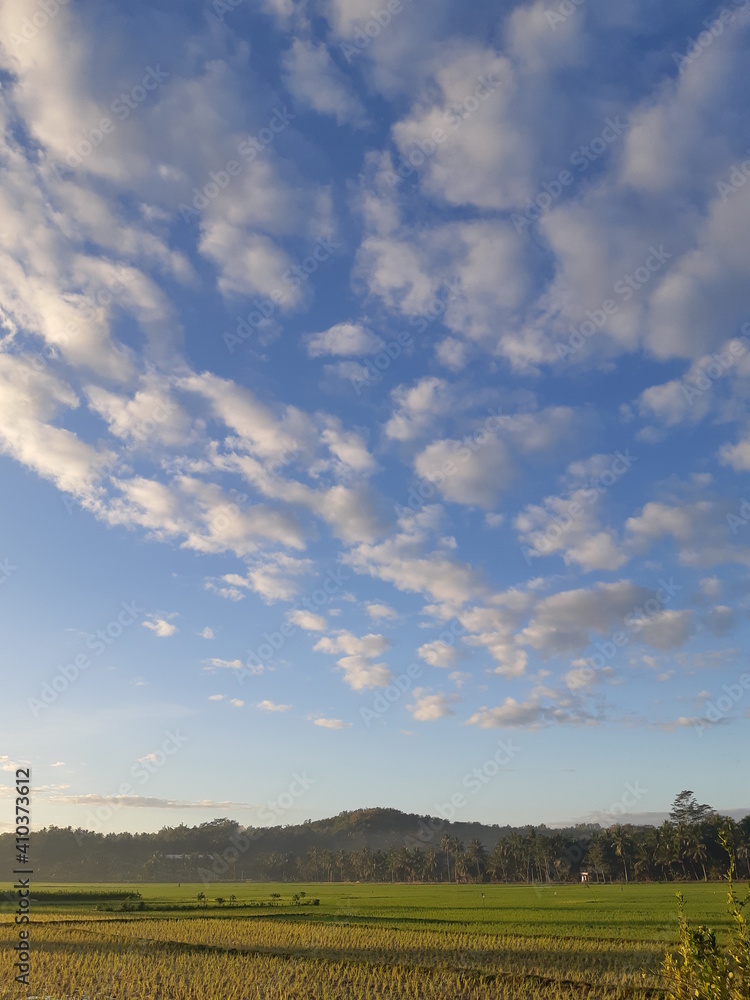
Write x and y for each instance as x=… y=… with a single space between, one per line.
x=620 y=841
x=477 y=856
x=446 y=845
x=429 y=864
x=459 y=858
x=497 y=864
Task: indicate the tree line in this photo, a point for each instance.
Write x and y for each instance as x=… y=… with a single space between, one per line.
x=388 y=846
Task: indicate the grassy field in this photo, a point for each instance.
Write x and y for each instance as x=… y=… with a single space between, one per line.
x=370 y=940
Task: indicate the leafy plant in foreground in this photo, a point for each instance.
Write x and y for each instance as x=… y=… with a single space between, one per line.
x=700 y=970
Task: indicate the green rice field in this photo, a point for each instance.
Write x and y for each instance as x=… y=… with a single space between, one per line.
x=360 y=940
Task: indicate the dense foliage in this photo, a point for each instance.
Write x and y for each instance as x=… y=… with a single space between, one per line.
x=700 y=968
x=387 y=845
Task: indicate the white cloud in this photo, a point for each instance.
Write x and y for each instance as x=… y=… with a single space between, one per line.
x=477 y=468
x=260 y=431
x=161 y=625
x=562 y=623
x=467 y=475
x=349 y=450
x=214 y=663
x=29 y=399
x=207 y=633
x=473 y=275
x=697 y=524
x=360 y=672
x=315 y=81
x=483 y=159
x=570 y=523
x=148 y=802
x=151 y=415
x=382 y=612
x=531 y=714
x=344 y=340
x=430 y=707
x=331 y=723
x=667 y=629
x=308 y=620
x=438 y=654
x=582 y=676
x=417 y=407
x=270 y=706
x=273 y=576
x=402 y=560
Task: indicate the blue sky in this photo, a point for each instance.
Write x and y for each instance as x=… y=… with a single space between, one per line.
x=373 y=402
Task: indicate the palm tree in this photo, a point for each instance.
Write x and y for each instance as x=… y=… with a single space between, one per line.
x=392 y=861
x=406 y=863
x=621 y=844
x=645 y=850
x=698 y=851
x=446 y=844
x=342 y=861
x=459 y=858
x=516 y=853
x=477 y=855
x=326 y=861
x=312 y=861
x=497 y=865
x=429 y=863
x=596 y=856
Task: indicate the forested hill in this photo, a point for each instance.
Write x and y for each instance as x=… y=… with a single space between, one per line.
x=385 y=844
x=63 y=853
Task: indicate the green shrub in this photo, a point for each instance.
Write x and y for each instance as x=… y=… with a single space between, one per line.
x=699 y=970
